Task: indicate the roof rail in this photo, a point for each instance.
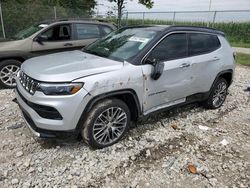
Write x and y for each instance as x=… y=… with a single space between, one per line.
x=83 y=19
x=72 y=19
x=198 y=28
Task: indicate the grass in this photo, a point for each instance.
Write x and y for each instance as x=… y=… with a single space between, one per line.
x=238 y=34
x=243 y=59
x=239 y=44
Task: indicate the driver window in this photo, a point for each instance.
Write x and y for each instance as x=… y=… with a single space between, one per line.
x=172 y=47
x=58 y=33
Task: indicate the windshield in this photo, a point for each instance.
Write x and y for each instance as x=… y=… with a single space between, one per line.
x=122 y=44
x=29 y=31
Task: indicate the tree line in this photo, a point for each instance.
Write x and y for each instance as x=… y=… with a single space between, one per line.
x=19 y=14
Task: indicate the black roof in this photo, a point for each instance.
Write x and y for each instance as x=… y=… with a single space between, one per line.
x=169 y=28
x=148 y=27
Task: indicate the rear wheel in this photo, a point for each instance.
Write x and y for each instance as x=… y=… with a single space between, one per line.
x=106 y=123
x=218 y=94
x=8 y=72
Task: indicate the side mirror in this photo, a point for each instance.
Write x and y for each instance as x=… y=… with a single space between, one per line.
x=150 y=61
x=41 y=38
x=158 y=68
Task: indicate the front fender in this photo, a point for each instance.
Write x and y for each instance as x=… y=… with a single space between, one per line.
x=22 y=56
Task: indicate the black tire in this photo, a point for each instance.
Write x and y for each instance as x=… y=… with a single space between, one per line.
x=211 y=103
x=4 y=83
x=95 y=114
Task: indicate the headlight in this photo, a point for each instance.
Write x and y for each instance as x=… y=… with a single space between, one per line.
x=60 y=89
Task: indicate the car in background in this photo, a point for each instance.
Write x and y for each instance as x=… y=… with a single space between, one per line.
x=45 y=38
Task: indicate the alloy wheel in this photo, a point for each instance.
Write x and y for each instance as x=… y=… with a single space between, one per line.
x=8 y=75
x=220 y=94
x=110 y=125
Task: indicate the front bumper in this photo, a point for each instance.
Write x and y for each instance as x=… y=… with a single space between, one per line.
x=70 y=109
x=43 y=133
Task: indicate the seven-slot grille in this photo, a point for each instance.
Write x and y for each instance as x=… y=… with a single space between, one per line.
x=28 y=83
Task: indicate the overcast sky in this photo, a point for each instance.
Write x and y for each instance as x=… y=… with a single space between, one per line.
x=180 y=5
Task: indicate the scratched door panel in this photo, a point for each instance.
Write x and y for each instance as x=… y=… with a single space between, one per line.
x=175 y=83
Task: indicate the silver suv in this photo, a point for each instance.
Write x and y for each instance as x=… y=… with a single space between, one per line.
x=44 y=38
x=128 y=74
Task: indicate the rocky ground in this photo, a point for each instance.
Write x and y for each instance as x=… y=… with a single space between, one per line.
x=187 y=147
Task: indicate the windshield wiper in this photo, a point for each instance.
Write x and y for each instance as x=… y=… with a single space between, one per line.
x=94 y=53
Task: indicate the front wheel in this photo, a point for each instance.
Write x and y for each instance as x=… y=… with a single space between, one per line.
x=218 y=94
x=106 y=123
x=8 y=72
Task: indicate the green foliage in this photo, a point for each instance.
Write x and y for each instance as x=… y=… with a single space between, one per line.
x=19 y=14
x=243 y=59
x=147 y=3
x=72 y=4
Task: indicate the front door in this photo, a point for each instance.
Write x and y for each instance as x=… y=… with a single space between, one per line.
x=175 y=83
x=56 y=39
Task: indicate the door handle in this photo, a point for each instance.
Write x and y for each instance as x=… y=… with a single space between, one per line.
x=185 y=65
x=68 y=44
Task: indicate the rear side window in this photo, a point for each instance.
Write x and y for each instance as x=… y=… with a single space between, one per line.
x=172 y=47
x=87 y=31
x=106 y=30
x=202 y=43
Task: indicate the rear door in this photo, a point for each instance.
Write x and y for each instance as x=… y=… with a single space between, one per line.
x=85 y=34
x=204 y=51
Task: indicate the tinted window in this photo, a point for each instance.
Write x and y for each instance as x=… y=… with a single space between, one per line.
x=202 y=43
x=58 y=33
x=172 y=47
x=87 y=31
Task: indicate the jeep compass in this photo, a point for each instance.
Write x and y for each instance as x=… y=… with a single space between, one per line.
x=128 y=74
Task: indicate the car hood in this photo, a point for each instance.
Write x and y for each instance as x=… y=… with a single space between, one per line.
x=67 y=66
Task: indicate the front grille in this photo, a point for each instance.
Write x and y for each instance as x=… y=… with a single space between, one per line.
x=28 y=83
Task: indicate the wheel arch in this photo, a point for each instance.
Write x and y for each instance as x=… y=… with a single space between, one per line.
x=226 y=74
x=18 y=58
x=128 y=96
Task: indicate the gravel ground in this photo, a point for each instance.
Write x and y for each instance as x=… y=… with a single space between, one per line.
x=186 y=147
